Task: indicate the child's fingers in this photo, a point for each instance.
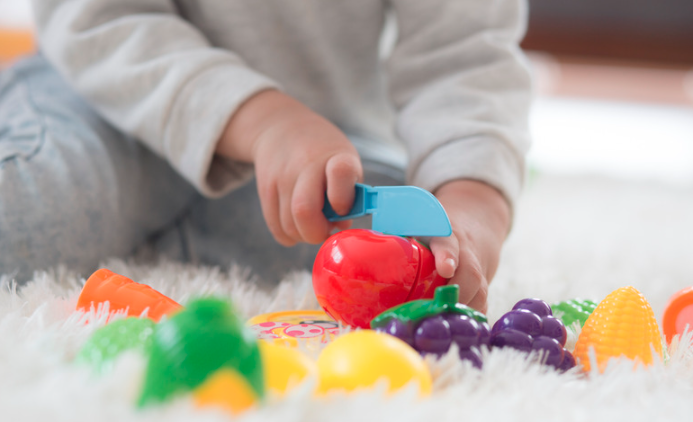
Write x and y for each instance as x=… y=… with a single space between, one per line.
x=461 y=265
x=342 y=171
x=446 y=251
x=306 y=208
x=480 y=299
x=286 y=190
x=472 y=281
x=269 y=202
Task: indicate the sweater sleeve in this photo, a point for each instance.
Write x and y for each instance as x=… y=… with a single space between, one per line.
x=154 y=76
x=462 y=91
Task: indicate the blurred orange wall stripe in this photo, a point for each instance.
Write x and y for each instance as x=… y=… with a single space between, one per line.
x=15 y=43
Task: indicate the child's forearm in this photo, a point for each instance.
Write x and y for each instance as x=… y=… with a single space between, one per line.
x=483 y=201
x=462 y=91
x=254 y=116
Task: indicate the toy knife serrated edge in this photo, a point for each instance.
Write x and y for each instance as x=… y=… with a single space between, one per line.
x=397 y=210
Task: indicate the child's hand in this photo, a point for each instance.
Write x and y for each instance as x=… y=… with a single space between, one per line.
x=298 y=155
x=480 y=219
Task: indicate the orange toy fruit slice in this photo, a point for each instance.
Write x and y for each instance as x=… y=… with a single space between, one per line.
x=678 y=314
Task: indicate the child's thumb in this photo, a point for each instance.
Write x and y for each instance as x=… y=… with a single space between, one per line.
x=446 y=251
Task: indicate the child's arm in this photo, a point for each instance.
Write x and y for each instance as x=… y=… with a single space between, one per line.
x=462 y=92
x=154 y=76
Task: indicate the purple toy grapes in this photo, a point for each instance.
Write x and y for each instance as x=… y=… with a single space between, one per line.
x=550 y=348
x=554 y=328
x=484 y=335
x=521 y=320
x=510 y=337
x=433 y=336
x=536 y=306
x=464 y=330
x=471 y=355
x=400 y=330
x=531 y=326
x=567 y=363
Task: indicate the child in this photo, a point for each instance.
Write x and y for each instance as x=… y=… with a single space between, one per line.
x=144 y=123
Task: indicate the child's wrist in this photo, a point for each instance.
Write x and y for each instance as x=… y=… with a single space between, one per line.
x=479 y=200
x=257 y=114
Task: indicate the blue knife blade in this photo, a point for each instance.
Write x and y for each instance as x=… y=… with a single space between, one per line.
x=397 y=210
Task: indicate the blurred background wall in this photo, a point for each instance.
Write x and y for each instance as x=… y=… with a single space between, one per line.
x=16 y=36
x=615 y=85
x=652 y=30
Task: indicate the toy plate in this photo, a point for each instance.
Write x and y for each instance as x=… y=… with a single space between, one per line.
x=288 y=327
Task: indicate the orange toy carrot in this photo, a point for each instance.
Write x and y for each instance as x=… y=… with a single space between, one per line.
x=123 y=293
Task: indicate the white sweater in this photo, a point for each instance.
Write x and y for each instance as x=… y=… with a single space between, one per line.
x=453 y=93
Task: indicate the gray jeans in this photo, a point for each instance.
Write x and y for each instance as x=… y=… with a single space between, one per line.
x=75 y=191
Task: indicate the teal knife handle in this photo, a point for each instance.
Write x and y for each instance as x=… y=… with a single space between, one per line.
x=363 y=204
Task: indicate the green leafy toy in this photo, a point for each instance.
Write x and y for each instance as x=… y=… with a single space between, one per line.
x=109 y=341
x=204 y=350
x=573 y=310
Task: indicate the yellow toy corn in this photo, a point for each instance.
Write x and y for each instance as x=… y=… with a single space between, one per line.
x=622 y=325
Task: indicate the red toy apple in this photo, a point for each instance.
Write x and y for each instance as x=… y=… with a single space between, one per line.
x=360 y=273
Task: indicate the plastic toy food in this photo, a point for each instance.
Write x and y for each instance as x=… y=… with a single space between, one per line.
x=531 y=326
x=204 y=350
x=573 y=310
x=622 y=325
x=360 y=273
x=284 y=367
x=431 y=326
x=678 y=314
x=122 y=293
x=289 y=326
x=360 y=359
x=109 y=341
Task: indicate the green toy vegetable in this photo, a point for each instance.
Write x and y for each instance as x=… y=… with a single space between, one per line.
x=109 y=341
x=197 y=345
x=573 y=310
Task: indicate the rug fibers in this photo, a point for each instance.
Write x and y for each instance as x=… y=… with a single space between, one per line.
x=573 y=237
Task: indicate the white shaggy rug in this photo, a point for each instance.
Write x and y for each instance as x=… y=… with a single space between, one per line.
x=573 y=237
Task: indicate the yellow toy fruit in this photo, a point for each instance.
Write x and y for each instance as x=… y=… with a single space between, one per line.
x=284 y=367
x=361 y=358
x=623 y=324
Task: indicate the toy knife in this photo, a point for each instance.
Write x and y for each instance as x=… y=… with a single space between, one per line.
x=397 y=210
